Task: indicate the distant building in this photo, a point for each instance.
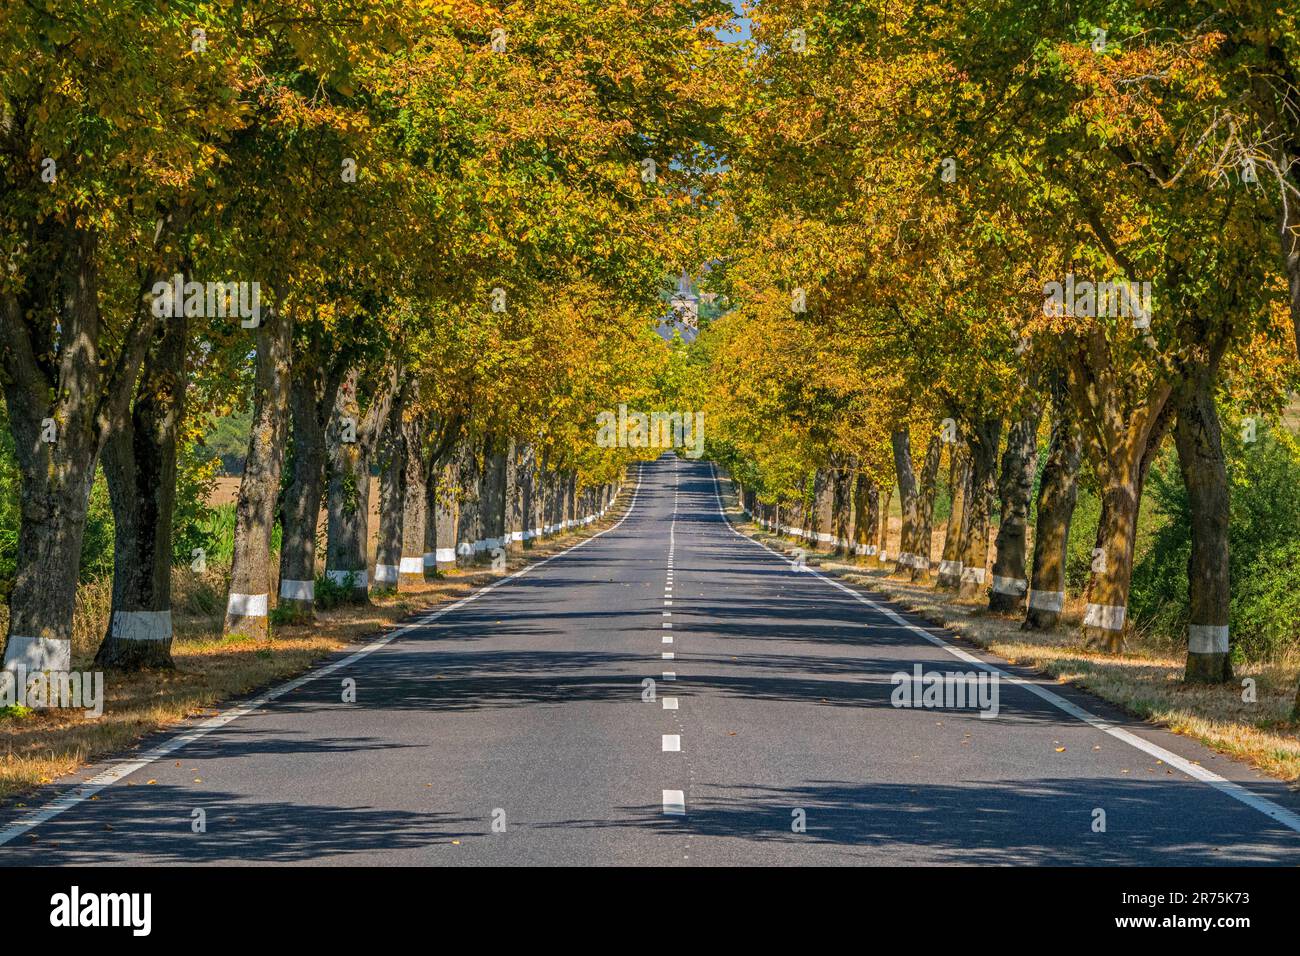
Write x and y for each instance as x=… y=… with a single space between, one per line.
x=685 y=303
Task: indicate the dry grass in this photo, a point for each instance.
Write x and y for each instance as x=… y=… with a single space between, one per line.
x=1146 y=680
x=209 y=670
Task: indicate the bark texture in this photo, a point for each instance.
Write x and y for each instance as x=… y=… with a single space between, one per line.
x=1015 y=487
x=1058 y=489
x=140 y=467
x=983 y=438
x=247 y=604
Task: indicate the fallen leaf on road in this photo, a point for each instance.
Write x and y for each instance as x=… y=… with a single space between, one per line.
x=1060 y=750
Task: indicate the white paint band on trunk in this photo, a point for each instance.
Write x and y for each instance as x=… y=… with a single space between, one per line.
x=1207 y=638
x=445 y=555
x=411 y=566
x=950 y=567
x=972 y=575
x=920 y=562
x=884 y=555
x=905 y=559
x=38 y=654
x=246 y=605
x=430 y=561
x=386 y=574
x=359 y=578
x=1013 y=586
x=297 y=590
x=1107 y=617
x=142 y=626
x=516 y=536
x=1047 y=601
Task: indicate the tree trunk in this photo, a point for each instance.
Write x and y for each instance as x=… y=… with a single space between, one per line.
x=446 y=512
x=140 y=466
x=928 y=485
x=415 y=499
x=882 y=543
x=1015 y=486
x=311 y=398
x=841 y=510
x=866 y=506
x=821 y=514
x=953 y=544
x=529 y=497
x=347 y=534
x=983 y=438
x=902 y=443
x=1121 y=479
x=1058 y=490
x=515 y=494
x=468 y=527
x=433 y=471
x=493 y=495
x=391 y=461
x=1289 y=229
x=259 y=487
x=56 y=438
x=1197 y=436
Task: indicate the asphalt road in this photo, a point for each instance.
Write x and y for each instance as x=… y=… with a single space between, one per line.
x=514 y=729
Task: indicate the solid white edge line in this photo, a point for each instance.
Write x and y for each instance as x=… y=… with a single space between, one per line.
x=1242 y=794
x=124 y=768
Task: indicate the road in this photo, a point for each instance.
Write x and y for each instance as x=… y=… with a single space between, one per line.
x=512 y=729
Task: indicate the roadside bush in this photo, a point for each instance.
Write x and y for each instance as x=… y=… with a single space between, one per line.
x=330 y=593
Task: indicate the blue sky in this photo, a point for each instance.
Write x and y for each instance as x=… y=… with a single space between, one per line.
x=741 y=32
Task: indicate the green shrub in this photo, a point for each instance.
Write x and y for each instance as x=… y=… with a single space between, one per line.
x=331 y=593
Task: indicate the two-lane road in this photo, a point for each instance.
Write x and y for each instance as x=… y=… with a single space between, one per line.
x=516 y=728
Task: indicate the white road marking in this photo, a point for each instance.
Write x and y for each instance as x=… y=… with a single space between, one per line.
x=670 y=703
x=124 y=768
x=670 y=675
x=1235 y=790
x=672 y=743
x=667 y=655
x=667 y=639
x=675 y=803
